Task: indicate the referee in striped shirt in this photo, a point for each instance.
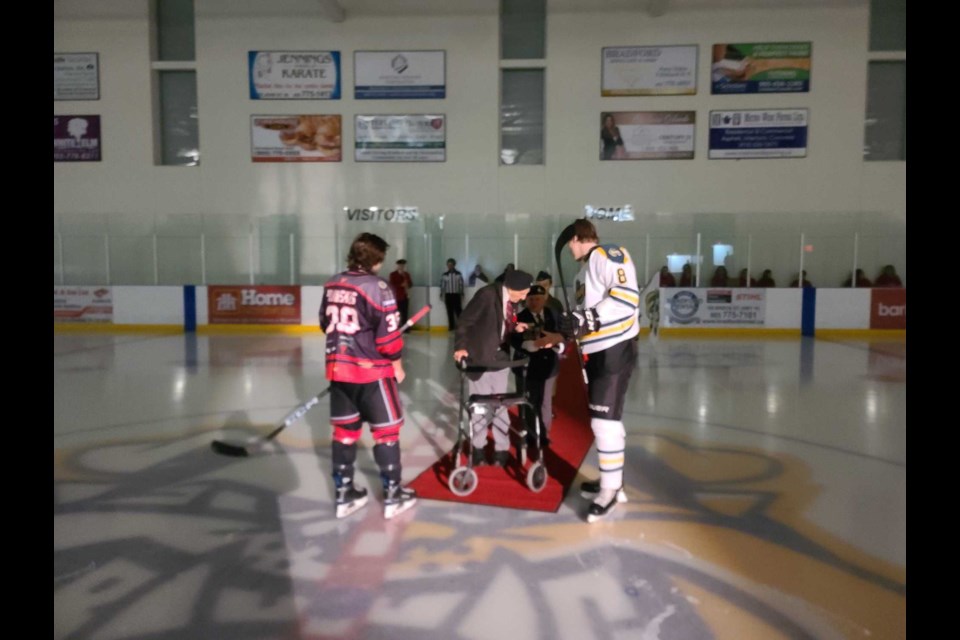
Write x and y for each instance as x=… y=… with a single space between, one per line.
x=451 y=291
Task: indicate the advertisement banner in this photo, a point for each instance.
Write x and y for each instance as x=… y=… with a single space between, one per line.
x=82 y=304
x=294 y=75
x=770 y=133
x=76 y=139
x=401 y=138
x=713 y=307
x=399 y=75
x=765 y=67
x=253 y=304
x=308 y=138
x=76 y=76
x=647 y=135
x=649 y=71
x=888 y=308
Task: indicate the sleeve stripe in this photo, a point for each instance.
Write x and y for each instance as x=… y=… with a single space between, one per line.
x=616 y=330
x=620 y=296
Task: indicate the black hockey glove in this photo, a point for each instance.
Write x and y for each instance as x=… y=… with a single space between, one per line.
x=574 y=324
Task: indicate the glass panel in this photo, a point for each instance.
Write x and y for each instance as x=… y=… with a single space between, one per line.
x=179 y=260
x=84 y=259
x=523 y=31
x=175 y=32
x=877 y=251
x=888 y=25
x=131 y=260
x=885 y=136
x=521 y=116
x=179 y=137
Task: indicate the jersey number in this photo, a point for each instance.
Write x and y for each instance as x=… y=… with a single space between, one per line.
x=622 y=276
x=393 y=319
x=343 y=319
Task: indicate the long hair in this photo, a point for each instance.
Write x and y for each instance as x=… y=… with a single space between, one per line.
x=367 y=250
x=584 y=230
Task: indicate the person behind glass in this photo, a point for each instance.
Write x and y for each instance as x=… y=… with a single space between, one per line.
x=888 y=278
x=451 y=292
x=483 y=334
x=610 y=138
x=719 y=278
x=766 y=279
x=541 y=342
x=743 y=281
x=863 y=281
x=506 y=270
x=477 y=275
x=545 y=280
x=364 y=345
x=605 y=322
x=401 y=282
x=666 y=278
x=801 y=280
x=686 y=276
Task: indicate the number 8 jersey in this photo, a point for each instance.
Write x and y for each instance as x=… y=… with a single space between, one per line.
x=607 y=283
x=360 y=317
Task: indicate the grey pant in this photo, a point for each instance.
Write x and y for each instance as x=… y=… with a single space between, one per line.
x=491 y=382
x=546 y=405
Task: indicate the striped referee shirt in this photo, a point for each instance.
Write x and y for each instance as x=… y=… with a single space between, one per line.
x=451 y=282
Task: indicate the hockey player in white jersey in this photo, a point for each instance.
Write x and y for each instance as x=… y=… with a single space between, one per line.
x=605 y=320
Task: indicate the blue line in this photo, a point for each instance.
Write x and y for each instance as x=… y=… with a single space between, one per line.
x=190 y=308
x=808 y=314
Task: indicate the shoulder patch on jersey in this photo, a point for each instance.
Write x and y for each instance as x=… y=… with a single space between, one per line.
x=614 y=253
x=382 y=284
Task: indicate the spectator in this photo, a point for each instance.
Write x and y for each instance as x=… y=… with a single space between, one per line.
x=478 y=275
x=401 y=282
x=797 y=281
x=666 y=278
x=719 y=278
x=863 y=281
x=888 y=278
x=766 y=279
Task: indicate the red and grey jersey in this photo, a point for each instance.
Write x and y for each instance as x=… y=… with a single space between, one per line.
x=607 y=282
x=359 y=315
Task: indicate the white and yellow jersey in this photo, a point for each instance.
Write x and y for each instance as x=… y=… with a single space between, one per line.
x=607 y=282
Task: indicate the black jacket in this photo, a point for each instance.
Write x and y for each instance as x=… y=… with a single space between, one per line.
x=478 y=328
x=544 y=363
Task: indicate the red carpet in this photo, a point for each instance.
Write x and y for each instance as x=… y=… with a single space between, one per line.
x=571 y=439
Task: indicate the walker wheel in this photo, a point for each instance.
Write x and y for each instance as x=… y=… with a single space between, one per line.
x=537 y=477
x=463 y=481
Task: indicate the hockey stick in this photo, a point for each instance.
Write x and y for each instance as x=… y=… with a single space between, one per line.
x=566 y=236
x=258 y=442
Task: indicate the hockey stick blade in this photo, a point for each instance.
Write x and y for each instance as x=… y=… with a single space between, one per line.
x=235 y=450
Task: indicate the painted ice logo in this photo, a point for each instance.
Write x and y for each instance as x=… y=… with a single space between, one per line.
x=399 y=63
x=684 y=306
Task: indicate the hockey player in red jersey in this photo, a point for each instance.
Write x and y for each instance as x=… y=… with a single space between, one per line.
x=364 y=343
